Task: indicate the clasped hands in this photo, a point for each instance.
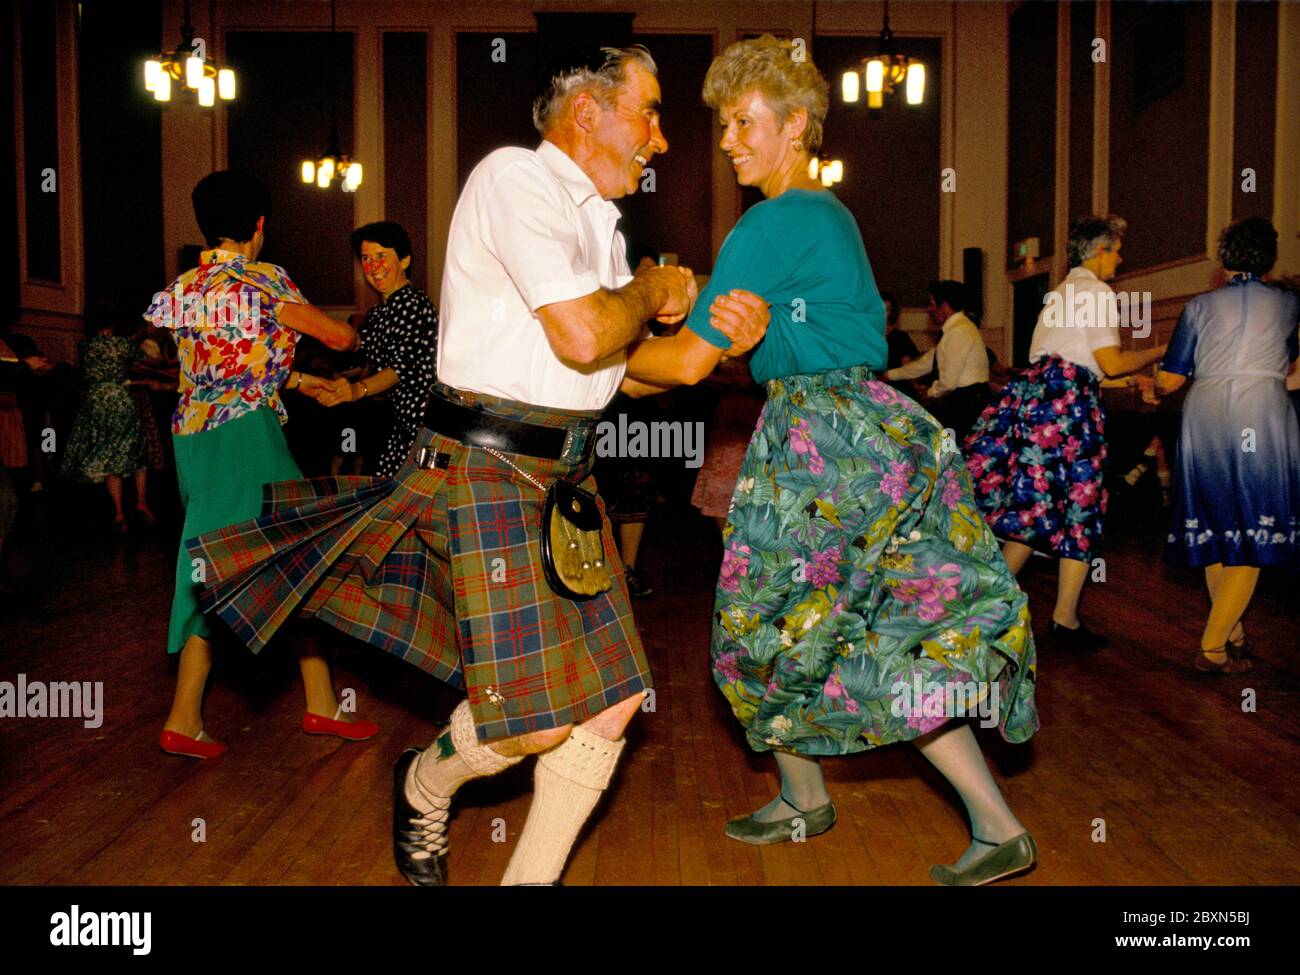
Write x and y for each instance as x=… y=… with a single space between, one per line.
x=1146 y=386
x=742 y=316
x=326 y=392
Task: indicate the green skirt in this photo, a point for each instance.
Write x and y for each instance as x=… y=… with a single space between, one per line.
x=221 y=474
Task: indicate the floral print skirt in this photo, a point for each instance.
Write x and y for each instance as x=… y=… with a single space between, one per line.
x=1037 y=458
x=862 y=598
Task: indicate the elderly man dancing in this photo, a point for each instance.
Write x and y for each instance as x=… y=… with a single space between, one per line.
x=483 y=561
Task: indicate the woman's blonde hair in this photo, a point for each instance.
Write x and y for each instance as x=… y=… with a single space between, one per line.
x=781 y=72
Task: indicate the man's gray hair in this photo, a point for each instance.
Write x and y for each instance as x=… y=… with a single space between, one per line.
x=601 y=76
x=1089 y=234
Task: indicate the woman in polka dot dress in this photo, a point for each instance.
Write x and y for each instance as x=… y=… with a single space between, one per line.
x=399 y=337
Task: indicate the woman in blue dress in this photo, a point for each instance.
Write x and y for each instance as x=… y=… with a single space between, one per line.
x=1237 y=498
x=862 y=600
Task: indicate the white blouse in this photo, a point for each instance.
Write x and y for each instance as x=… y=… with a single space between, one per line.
x=1079 y=316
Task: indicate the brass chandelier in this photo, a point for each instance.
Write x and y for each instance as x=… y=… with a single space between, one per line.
x=190 y=69
x=885 y=74
x=334 y=163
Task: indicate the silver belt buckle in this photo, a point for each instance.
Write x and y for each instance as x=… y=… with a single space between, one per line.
x=426 y=458
x=575 y=444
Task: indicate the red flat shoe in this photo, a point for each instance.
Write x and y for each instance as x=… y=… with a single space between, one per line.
x=174 y=743
x=315 y=724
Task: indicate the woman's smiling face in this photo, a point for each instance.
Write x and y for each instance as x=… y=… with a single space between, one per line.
x=383 y=269
x=755 y=139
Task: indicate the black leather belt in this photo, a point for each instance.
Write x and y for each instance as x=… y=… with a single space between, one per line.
x=480 y=429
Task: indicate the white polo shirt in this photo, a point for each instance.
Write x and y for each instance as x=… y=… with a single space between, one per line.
x=1079 y=315
x=529 y=229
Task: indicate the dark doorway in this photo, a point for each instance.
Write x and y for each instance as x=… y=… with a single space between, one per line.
x=1028 y=296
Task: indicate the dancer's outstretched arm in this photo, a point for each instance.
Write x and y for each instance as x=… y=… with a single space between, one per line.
x=685 y=358
x=1115 y=361
x=310 y=320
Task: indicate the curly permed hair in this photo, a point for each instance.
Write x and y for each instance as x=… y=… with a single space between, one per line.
x=1248 y=244
x=785 y=81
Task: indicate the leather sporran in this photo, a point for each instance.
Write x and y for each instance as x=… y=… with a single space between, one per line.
x=573 y=550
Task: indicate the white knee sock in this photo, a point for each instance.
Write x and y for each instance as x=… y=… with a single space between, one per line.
x=440 y=770
x=569 y=781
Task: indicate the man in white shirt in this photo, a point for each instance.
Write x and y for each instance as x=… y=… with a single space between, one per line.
x=538 y=309
x=961 y=390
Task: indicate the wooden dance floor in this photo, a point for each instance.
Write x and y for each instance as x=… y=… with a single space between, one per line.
x=1191 y=788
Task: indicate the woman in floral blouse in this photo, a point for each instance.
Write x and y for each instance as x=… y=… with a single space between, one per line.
x=236 y=323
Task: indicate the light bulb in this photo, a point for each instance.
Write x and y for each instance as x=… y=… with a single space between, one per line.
x=849 y=86
x=813 y=165
x=875 y=99
x=162 y=89
x=353 y=178
x=875 y=76
x=226 y=84
x=837 y=171
x=207 y=92
x=152 y=72
x=826 y=176
x=193 y=71
x=325 y=171
x=309 y=171
x=915 y=83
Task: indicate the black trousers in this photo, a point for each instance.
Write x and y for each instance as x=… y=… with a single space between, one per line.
x=961 y=408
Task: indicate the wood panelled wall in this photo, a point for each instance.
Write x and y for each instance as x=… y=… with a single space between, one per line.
x=406 y=133
x=1161 y=109
x=696 y=200
x=893 y=162
x=1159 y=143
x=121 y=145
x=282 y=117
x=676 y=217
x=1031 y=149
x=1083 y=29
x=1254 y=113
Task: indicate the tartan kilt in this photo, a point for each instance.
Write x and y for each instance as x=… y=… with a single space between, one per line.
x=443 y=569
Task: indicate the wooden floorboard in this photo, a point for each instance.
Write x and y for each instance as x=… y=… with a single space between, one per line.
x=1192 y=787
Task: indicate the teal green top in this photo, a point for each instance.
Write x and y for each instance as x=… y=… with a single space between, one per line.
x=803 y=253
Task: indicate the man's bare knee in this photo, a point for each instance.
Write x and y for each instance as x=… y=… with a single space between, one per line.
x=611 y=722
x=532 y=743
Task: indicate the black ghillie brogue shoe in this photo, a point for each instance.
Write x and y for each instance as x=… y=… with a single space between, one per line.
x=419 y=839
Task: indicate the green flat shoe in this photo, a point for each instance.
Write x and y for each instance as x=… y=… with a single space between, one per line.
x=749 y=830
x=1014 y=856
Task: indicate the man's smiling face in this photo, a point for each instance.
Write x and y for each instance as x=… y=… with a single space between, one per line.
x=627 y=136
